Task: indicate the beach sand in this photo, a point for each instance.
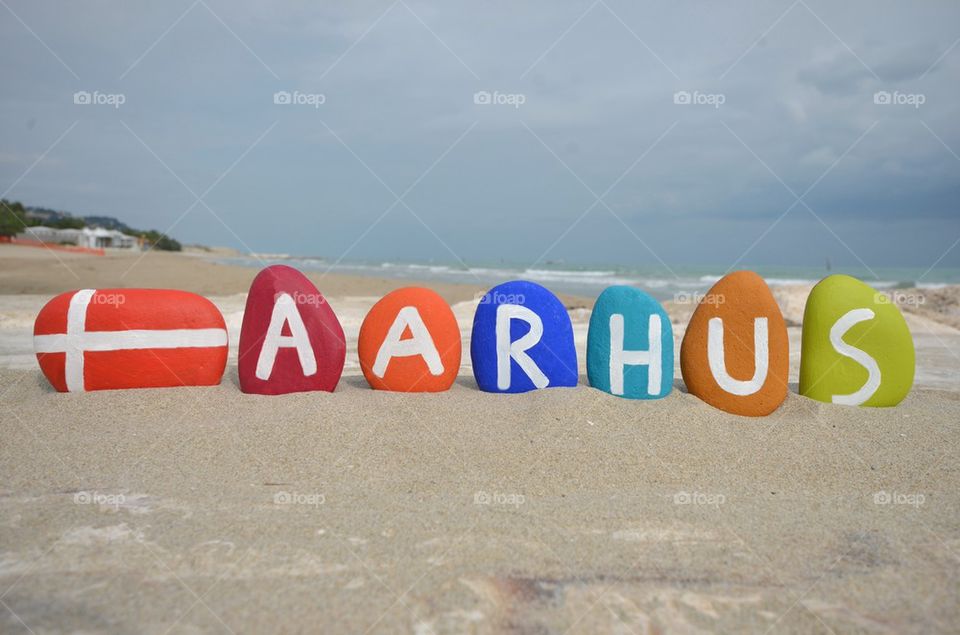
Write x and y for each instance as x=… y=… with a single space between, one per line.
x=30 y=270
x=560 y=511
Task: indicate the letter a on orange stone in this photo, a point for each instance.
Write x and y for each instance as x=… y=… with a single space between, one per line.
x=410 y=342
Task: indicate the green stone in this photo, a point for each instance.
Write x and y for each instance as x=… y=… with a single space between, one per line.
x=870 y=359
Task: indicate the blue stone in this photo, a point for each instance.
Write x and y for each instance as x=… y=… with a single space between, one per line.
x=535 y=344
x=621 y=319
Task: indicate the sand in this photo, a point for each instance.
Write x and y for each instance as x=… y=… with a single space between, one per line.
x=561 y=511
x=32 y=270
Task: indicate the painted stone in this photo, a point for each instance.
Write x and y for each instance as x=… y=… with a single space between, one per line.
x=630 y=345
x=522 y=340
x=106 y=339
x=410 y=342
x=290 y=339
x=735 y=353
x=856 y=348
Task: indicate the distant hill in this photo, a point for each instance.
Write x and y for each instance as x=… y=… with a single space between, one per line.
x=107 y=222
x=53 y=216
x=14 y=216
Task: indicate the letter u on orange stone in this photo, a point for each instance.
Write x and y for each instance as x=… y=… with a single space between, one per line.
x=718 y=363
x=735 y=353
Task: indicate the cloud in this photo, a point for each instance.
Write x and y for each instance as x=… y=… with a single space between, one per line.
x=398 y=82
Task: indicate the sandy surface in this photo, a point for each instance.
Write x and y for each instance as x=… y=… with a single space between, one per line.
x=147 y=512
x=561 y=511
x=32 y=270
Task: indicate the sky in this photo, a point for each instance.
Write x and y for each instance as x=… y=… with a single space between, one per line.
x=596 y=131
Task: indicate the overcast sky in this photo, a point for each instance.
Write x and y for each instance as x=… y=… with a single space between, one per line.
x=783 y=155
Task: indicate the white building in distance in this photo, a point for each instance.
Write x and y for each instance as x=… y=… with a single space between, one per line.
x=90 y=237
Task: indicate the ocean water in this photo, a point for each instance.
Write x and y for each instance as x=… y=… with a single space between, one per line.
x=589 y=281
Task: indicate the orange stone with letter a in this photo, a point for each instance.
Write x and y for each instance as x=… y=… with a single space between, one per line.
x=410 y=342
x=735 y=354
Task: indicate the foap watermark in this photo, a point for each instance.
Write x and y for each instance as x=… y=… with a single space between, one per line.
x=696 y=98
x=96 y=98
x=296 y=498
x=296 y=98
x=899 y=298
x=498 y=498
x=897 y=98
x=109 y=299
x=300 y=298
x=496 y=98
x=100 y=499
x=684 y=297
x=495 y=297
x=884 y=497
x=699 y=498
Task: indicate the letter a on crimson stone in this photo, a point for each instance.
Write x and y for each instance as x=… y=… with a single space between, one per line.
x=290 y=340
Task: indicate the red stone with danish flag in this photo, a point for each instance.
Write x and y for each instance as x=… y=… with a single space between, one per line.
x=106 y=339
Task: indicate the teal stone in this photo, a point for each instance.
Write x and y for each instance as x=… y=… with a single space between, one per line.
x=620 y=330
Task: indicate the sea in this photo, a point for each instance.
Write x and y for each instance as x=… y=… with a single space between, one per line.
x=588 y=281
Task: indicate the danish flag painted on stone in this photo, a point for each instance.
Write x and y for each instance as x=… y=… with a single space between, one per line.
x=105 y=339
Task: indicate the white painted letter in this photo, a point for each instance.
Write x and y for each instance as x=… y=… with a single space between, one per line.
x=619 y=358
x=837 y=331
x=718 y=365
x=285 y=312
x=517 y=350
x=420 y=344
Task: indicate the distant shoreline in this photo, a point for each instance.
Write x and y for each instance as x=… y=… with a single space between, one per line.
x=673 y=284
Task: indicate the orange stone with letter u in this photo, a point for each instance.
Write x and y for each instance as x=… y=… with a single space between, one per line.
x=735 y=353
x=410 y=342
